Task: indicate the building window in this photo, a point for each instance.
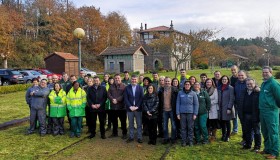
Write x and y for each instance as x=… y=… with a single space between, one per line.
x=111 y=65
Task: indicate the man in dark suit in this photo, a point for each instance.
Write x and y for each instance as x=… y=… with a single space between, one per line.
x=217 y=78
x=133 y=97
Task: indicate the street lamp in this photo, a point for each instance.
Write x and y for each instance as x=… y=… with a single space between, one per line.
x=268 y=58
x=79 y=33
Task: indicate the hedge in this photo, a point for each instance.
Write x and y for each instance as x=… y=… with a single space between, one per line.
x=14 y=88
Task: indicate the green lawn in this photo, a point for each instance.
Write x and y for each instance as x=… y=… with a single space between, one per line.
x=13 y=106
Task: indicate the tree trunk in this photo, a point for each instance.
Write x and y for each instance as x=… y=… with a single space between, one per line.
x=5 y=63
x=176 y=72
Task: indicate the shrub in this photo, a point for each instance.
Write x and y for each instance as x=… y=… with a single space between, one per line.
x=276 y=68
x=14 y=88
x=135 y=73
x=202 y=66
x=277 y=75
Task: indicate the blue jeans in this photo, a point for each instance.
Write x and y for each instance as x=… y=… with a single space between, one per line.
x=187 y=127
x=235 y=123
x=138 y=117
x=166 y=116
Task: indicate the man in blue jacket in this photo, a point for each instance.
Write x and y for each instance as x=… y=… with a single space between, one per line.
x=38 y=107
x=133 y=97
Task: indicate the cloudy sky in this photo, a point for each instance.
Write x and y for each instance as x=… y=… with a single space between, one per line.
x=236 y=18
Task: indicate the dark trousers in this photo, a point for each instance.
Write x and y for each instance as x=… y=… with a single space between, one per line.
x=160 y=123
x=226 y=128
x=178 y=126
x=50 y=125
x=68 y=117
x=101 y=118
x=109 y=117
x=249 y=127
x=88 y=118
x=145 y=122
x=152 y=129
x=121 y=114
x=39 y=114
x=187 y=127
x=58 y=125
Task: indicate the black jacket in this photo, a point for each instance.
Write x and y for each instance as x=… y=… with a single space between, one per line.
x=150 y=103
x=252 y=102
x=97 y=96
x=174 y=93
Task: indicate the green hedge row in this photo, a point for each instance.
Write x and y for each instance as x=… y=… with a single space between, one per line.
x=14 y=88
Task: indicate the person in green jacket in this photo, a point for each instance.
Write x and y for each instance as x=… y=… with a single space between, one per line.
x=200 y=127
x=76 y=103
x=57 y=109
x=269 y=103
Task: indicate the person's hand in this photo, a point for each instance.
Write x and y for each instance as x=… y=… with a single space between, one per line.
x=93 y=106
x=115 y=101
x=228 y=111
x=97 y=106
x=178 y=116
x=132 y=108
x=32 y=93
x=194 y=117
x=149 y=114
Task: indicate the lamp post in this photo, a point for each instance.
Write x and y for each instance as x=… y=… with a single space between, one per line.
x=79 y=33
x=268 y=58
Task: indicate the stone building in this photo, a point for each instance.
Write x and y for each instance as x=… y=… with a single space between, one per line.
x=120 y=59
x=152 y=61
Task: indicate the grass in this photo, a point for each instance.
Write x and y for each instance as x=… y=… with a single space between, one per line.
x=13 y=106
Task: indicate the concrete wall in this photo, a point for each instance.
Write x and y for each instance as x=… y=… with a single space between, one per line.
x=138 y=62
x=116 y=59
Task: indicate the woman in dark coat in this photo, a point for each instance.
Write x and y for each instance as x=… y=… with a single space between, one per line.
x=150 y=106
x=226 y=100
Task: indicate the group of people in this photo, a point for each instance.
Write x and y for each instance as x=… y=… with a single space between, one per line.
x=196 y=109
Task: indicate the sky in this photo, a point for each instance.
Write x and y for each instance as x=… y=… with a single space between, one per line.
x=235 y=18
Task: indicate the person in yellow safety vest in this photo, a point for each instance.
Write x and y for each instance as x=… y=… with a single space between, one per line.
x=182 y=78
x=76 y=103
x=57 y=109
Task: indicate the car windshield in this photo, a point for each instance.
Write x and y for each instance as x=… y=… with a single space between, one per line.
x=47 y=71
x=35 y=73
x=15 y=72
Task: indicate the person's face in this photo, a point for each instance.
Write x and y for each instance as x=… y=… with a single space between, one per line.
x=234 y=71
x=134 y=81
x=57 y=87
x=167 y=82
x=266 y=74
x=192 y=80
x=111 y=81
x=90 y=82
x=217 y=75
x=196 y=86
x=146 y=82
x=225 y=80
x=126 y=75
x=241 y=76
x=250 y=84
x=175 y=83
x=82 y=74
x=155 y=76
x=203 y=78
x=118 y=79
x=150 y=89
x=106 y=77
x=141 y=78
x=50 y=79
x=96 y=81
x=161 y=81
x=183 y=73
x=43 y=83
x=54 y=79
x=35 y=83
x=76 y=86
x=209 y=84
x=187 y=86
x=65 y=77
x=85 y=79
x=72 y=79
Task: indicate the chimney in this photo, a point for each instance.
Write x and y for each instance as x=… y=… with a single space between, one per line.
x=141 y=28
x=145 y=26
x=171 y=25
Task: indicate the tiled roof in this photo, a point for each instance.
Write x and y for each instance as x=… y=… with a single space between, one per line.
x=66 y=56
x=159 y=28
x=122 y=50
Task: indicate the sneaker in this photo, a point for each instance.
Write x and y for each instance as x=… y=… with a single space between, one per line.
x=140 y=141
x=129 y=140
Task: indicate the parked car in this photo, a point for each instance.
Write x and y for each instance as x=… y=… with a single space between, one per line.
x=88 y=72
x=28 y=75
x=47 y=72
x=11 y=76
